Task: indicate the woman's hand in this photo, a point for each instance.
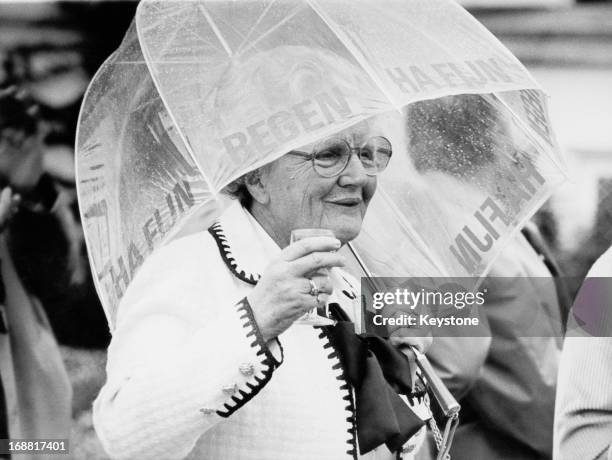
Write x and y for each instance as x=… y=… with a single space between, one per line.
x=404 y=343
x=283 y=294
x=404 y=337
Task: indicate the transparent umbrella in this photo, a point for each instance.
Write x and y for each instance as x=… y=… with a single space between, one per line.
x=201 y=92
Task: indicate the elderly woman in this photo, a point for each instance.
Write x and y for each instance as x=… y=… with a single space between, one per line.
x=206 y=361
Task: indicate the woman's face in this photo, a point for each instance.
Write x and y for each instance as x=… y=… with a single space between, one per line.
x=301 y=198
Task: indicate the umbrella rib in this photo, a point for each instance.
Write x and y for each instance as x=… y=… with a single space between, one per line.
x=179 y=27
x=213 y=26
x=365 y=268
x=272 y=29
x=156 y=83
x=259 y=19
x=233 y=28
x=170 y=42
x=561 y=166
x=354 y=52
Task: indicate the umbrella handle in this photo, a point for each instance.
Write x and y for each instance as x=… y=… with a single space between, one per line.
x=448 y=404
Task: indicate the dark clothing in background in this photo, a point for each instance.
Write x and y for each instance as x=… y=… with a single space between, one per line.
x=506 y=379
x=37 y=390
x=39 y=248
x=535 y=239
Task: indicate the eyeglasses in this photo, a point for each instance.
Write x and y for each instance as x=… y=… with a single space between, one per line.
x=331 y=156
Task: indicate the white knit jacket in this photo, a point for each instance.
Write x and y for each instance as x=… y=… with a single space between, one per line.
x=189 y=376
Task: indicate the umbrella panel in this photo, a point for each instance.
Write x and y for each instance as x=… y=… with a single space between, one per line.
x=136 y=181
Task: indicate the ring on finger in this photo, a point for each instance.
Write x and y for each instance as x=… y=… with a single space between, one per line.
x=314 y=290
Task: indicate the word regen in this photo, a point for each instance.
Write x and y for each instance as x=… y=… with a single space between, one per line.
x=286 y=125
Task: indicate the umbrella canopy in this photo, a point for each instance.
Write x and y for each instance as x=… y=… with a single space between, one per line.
x=202 y=92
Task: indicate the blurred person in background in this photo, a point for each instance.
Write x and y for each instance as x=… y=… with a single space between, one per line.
x=35 y=399
x=583 y=412
x=505 y=378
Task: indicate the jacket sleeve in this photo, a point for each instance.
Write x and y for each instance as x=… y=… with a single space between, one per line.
x=183 y=357
x=459 y=360
x=583 y=411
x=583 y=418
x=515 y=393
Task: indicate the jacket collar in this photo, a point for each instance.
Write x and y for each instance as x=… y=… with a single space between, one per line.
x=245 y=246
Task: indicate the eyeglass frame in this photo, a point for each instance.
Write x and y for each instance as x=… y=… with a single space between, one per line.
x=352 y=150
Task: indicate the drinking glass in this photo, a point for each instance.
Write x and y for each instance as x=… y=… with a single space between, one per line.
x=312 y=318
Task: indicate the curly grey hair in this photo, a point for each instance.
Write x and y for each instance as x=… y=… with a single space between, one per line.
x=238 y=188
